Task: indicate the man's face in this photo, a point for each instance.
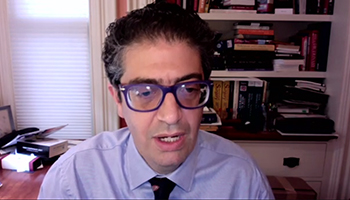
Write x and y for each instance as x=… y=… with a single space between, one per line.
x=165 y=64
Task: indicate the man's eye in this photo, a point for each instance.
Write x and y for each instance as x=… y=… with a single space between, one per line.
x=189 y=90
x=145 y=94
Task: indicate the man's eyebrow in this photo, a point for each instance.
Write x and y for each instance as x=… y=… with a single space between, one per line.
x=198 y=76
x=160 y=81
x=144 y=80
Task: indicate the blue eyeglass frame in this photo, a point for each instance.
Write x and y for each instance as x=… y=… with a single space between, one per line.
x=166 y=89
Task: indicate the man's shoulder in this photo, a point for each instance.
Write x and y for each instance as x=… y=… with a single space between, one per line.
x=104 y=141
x=222 y=146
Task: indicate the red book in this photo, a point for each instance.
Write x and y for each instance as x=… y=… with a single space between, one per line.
x=201 y=8
x=254 y=32
x=313 y=49
x=195 y=5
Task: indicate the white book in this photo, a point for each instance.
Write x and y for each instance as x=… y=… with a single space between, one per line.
x=309 y=82
x=230 y=11
x=251 y=27
x=286 y=68
x=239 y=2
x=289 y=61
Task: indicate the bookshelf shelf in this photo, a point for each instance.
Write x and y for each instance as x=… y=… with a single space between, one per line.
x=265 y=74
x=265 y=17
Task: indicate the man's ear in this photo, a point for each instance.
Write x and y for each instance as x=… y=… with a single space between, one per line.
x=117 y=100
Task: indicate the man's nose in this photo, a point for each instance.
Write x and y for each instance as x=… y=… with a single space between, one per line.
x=169 y=112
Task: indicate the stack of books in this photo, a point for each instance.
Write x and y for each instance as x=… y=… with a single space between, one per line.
x=310 y=85
x=315 y=101
x=236 y=6
x=252 y=47
x=288 y=58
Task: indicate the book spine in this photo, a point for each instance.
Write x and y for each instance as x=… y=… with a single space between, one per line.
x=217 y=92
x=238 y=2
x=231 y=99
x=241 y=7
x=201 y=7
x=256 y=37
x=189 y=5
x=254 y=47
x=313 y=50
x=242 y=98
x=254 y=32
x=325 y=6
x=242 y=41
x=235 y=99
x=207 y=6
x=179 y=2
x=330 y=7
x=225 y=99
x=304 y=47
x=195 y=5
x=311 y=6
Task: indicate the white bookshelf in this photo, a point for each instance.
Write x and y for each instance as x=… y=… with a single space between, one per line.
x=267 y=74
x=334 y=183
x=265 y=17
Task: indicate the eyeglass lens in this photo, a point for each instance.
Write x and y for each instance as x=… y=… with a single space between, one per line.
x=148 y=96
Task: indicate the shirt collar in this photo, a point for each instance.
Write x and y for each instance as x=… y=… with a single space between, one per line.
x=139 y=171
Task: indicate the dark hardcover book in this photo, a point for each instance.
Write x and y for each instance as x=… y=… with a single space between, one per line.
x=296 y=6
x=330 y=6
x=311 y=6
x=283 y=4
x=325 y=7
x=190 y=5
x=255 y=37
x=324 y=30
x=232 y=92
x=242 y=97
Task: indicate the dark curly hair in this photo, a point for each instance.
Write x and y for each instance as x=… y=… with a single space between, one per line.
x=151 y=23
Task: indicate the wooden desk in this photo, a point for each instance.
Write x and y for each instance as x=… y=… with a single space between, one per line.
x=21 y=185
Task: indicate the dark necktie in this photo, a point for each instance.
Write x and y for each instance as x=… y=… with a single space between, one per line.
x=161 y=187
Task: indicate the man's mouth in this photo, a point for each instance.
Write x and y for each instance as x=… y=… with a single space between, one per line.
x=170 y=139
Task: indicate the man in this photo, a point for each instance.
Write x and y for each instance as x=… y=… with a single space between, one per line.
x=157 y=60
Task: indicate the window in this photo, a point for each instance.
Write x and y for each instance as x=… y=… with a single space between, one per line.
x=51 y=65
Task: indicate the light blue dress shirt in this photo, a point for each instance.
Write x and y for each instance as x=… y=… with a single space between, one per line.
x=109 y=166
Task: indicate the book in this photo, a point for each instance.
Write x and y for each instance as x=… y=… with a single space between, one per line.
x=292 y=109
x=212 y=10
x=254 y=32
x=264 y=6
x=201 y=6
x=324 y=31
x=217 y=92
x=225 y=99
x=313 y=50
x=284 y=6
x=310 y=83
x=239 y=2
x=251 y=27
x=254 y=47
x=263 y=37
x=243 y=41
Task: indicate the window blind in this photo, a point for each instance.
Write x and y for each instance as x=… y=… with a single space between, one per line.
x=51 y=65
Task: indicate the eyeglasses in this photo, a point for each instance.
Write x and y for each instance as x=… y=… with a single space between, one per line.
x=149 y=97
